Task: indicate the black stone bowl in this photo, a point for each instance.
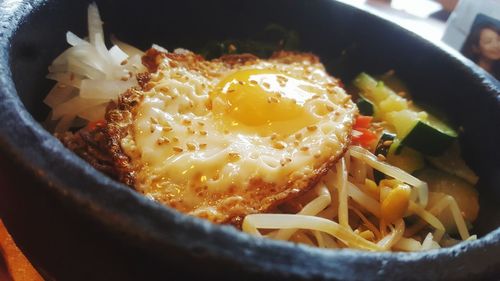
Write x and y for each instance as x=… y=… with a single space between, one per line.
x=74 y=223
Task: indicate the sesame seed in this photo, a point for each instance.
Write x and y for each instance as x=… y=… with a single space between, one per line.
x=203 y=145
x=177 y=149
x=203 y=133
x=153 y=120
x=233 y=156
x=186 y=122
x=312 y=128
x=190 y=131
x=298 y=136
x=387 y=142
x=317 y=155
x=278 y=145
x=329 y=108
x=201 y=123
x=266 y=85
x=381 y=157
x=304 y=148
x=281 y=78
x=191 y=147
x=162 y=140
x=175 y=139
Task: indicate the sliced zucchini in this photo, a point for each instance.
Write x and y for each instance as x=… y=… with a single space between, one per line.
x=365 y=82
x=421 y=131
x=463 y=192
x=414 y=127
x=383 y=149
x=405 y=158
x=365 y=106
x=452 y=163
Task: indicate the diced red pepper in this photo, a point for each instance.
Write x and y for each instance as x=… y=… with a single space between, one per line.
x=363 y=122
x=365 y=138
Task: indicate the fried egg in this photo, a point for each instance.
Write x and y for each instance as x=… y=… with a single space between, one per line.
x=237 y=135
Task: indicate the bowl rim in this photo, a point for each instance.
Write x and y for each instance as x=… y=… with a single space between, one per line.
x=113 y=204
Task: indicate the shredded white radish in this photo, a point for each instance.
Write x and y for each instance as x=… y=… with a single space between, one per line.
x=117 y=55
x=104 y=89
x=94 y=23
x=74 y=40
x=89 y=75
x=128 y=49
x=60 y=93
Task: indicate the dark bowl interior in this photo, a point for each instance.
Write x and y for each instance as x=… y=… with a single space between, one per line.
x=76 y=224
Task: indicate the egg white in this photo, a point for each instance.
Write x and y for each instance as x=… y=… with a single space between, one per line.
x=186 y=157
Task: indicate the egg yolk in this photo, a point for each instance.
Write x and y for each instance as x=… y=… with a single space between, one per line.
x=265 y=101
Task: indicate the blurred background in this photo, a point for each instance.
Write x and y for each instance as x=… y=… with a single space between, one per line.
x=424 y=17
x=471 y=27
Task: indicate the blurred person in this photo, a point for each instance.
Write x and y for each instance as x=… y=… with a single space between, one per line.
x=482 y=46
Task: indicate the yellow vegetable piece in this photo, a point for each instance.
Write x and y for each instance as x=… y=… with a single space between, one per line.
x=392 y=183
x=396 y=203
x=372 y=189
x=392 y=103
x=408 y=159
